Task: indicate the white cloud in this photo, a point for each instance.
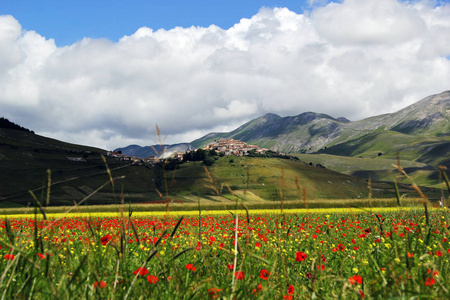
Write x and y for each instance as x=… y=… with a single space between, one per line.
x=368 y=22
x=354 y=59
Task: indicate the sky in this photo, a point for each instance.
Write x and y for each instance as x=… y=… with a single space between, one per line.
x=105 y=73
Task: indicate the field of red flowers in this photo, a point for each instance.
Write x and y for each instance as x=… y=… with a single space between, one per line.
x=343 y=254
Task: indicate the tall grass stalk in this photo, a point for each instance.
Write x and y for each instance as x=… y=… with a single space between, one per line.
x=235 y=255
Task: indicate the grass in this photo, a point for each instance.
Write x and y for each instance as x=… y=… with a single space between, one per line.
x=244 y=255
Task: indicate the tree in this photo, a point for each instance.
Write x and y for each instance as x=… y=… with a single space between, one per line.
x=208 y=161
x=199 y=155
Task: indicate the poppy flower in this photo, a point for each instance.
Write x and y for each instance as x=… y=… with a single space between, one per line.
x=141 y=271
x=9 y=256
x=239 y=275
x=214 y=293
x=101 y=285
x=191 y=267
x=264 y=274
x=41 y=256
x=152 y=279
x=300 y=256
x=362 y=294
x=429 y=281
x=355 y=279
x=291 y=290
x=105 y=239
x=230 y=266
x=258 y=288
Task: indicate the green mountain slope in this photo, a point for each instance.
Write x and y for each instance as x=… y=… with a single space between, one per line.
x=270 y=179
x=420 y=133
x=310 y=132
x=77 y=172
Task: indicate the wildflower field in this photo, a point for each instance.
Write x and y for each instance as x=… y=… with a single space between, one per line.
x=294 y=254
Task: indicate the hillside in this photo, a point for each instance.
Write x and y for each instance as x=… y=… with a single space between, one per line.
x=77 y=171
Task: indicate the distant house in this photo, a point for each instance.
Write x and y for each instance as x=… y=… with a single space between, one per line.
x=178 y=155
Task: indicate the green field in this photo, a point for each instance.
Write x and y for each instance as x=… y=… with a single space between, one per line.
x=370 y=253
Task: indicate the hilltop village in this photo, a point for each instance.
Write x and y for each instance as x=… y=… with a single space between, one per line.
x=220 y=147
x=234 y=147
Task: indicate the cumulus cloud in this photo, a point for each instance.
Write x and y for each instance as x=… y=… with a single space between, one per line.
x=354 y=59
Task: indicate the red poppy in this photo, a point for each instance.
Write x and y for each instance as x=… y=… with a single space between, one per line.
x=438 y=253
x=230 y=266
x=258 y=288
x=101 y=285
x=291 y=290
x=104 y=240
x=152 y=278
x=362 y=294
x=214 y=293
x=355 y=279
x=300 y=256
x=9 y=256
x=288 y=297
x=429 y=281
x=410 y=254
x=264 y=274
x=141 y=271
x=239 y=275
x=42 y=256
x=191 y=267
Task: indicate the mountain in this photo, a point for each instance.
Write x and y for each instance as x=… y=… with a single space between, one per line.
x=301 y=133
x=161 y=151
x=309 y=132
x=420 y=132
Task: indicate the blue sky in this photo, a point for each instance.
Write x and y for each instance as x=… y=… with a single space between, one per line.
x=68 y=21
x=104 y=73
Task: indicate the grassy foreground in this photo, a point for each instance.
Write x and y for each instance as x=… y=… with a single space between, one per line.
x=295 y=254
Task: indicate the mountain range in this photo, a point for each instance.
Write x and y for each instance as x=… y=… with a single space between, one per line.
x=425 y=124
x=352 y=152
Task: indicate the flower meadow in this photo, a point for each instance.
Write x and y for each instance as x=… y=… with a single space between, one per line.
x=298 y=254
